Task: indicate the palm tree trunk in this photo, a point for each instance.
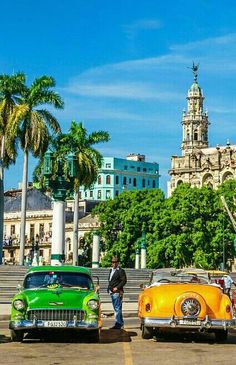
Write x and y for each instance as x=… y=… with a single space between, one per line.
x=75 y=230
x=1 y=197
x=23 y=207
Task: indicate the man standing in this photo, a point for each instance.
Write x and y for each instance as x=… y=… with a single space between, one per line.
x=228 y=281
x=116 y=282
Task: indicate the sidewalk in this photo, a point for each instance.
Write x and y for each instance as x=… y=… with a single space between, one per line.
x=129 y=310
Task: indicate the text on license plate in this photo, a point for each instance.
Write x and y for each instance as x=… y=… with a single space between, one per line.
x=189 y=322
x=55 y=324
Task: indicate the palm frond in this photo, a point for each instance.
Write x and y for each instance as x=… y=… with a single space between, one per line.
x=50 y=119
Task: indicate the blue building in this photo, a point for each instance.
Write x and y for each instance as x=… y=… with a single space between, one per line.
x=118 y=175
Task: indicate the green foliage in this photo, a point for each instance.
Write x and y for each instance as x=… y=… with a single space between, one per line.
x=79 y=142
x=187 y=229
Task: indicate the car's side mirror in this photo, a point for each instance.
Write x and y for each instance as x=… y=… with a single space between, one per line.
x=19 y=287
x=96 y=280
x=97 y=288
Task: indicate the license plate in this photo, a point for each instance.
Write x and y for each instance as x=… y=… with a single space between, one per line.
x=55 y=324
x=189 y=322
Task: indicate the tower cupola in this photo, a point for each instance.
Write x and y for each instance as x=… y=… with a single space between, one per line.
x=195 y=121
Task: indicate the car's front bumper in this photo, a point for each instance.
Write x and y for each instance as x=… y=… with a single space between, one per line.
x=190 y=323
x=25 y=324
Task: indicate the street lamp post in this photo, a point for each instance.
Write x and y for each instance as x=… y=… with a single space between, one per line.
x=137 y=257
x=60 y=174
x=143 y=250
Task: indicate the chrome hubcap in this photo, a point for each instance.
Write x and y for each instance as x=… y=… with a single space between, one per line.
x=190 y=307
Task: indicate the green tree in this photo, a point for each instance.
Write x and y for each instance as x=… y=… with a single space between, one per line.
x=187 y=229
x=11 y=86
x=122 y=220
x=34 y=127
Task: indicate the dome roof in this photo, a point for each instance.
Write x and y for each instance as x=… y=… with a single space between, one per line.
x=195 y=88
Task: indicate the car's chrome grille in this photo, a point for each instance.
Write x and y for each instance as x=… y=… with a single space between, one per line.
x=55 y=314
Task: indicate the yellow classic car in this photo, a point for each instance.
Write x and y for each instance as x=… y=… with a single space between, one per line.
x=184 y=301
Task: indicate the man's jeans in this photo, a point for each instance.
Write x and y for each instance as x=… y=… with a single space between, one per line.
x=116 y=299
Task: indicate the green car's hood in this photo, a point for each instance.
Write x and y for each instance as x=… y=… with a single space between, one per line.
x=58 y=298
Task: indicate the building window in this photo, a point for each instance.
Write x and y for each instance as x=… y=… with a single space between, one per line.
x=117 y=192
x=138 y=168
x=108 y=165
x=41 y=230
x=31 y=231
x=148 y=182
x=99 y=179
x=108 y=179
x=153 y=183
x=80 y=195
x=108 y=194
x=117 y=180
x=135 y=182
x=99 y=194
x=143 y=183
x=125 y=180
x=13 y=230
x=130 y=180
x=144 y=169
x=195 y=136
x=91 y=193
x=85 y=194
x=125 y=167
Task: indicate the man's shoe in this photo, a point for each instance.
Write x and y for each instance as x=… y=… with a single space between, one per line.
x=116 y=327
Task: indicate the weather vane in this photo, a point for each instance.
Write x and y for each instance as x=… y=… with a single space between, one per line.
x=195 y=68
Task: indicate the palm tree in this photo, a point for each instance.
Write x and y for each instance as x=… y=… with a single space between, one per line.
x=11 y=86
x=89 y=161
x=34 y=131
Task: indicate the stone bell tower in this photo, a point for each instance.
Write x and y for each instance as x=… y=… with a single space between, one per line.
x=195 y=120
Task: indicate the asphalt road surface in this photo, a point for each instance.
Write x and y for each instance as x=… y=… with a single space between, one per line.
x=118 y=347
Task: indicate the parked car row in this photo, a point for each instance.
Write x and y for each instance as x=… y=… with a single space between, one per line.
x=55 y=298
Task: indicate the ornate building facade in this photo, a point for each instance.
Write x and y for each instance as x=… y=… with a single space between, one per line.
x=199 y=164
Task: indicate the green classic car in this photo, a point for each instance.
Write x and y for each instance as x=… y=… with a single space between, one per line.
x=55 y=298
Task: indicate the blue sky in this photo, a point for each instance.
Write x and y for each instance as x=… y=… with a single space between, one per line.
x=122 y=66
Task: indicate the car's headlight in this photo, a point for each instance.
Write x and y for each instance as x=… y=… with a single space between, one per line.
x=18 y=304
x=93 y=304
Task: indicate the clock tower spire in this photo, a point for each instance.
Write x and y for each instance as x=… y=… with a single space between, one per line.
x=194 y=121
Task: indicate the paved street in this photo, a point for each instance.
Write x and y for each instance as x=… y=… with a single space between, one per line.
x=118 y=347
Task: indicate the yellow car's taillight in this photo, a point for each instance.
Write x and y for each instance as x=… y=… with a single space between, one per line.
x=148 y=307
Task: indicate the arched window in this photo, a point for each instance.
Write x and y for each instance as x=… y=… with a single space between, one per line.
x=108 y=179
x=195 y=136
x=99 y=179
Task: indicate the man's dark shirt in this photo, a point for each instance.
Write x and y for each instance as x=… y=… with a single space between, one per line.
x=118 y=280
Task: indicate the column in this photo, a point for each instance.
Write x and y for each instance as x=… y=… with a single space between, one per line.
x=96 y=249
x=58 y=233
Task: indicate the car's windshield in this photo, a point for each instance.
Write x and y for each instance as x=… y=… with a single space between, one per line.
x=177 y=278
x=65 y=279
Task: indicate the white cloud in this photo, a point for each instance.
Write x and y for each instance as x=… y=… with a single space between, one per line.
x=121 y=90
x=132 y=29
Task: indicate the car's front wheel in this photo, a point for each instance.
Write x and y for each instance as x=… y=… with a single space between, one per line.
x=17 y=336
x=147 y=332
x=221 y=335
